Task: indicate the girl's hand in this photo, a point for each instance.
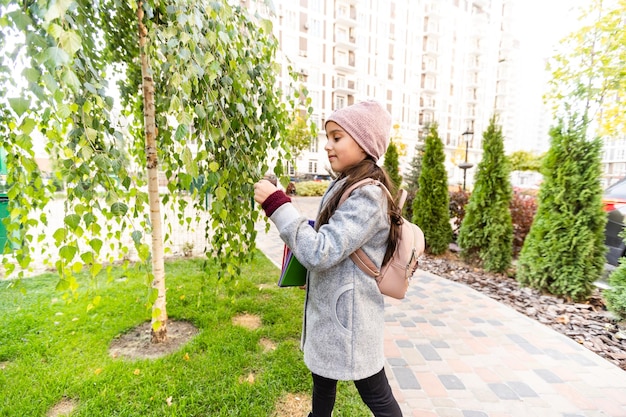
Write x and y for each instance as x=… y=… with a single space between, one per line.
x=262 y=190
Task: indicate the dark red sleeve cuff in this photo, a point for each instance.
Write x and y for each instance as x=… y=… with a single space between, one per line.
x=275 y=200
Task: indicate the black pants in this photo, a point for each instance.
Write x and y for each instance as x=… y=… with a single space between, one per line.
x=375 y=393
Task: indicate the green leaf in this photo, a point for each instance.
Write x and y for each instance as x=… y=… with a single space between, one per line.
x=70 y=42
x=77 y=267
x=57 y=9
x=57 y=56
x=21 y=20
x=67 y=253
x=102 y=161
x=221 y=193
x=143 y=252
x=87 y=257
x=59 y=235
x=70 y=78
x=136 y=236
x=72 y=221
x=27 y=125
x=96 y=245
x=119 y=209
x=96 y=268
x=181 y=132
x=19 y=105
x=31 y=75
x=190 y=166
x=62 y=285
x=214 y=166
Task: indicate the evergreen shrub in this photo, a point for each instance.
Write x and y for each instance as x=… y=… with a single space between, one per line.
x=615 y=297
x=431 y=211
x=392 y=166
x=412 y=179
x=564 y=252
x=486 y=233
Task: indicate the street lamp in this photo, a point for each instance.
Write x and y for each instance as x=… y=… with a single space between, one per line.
x=467 y=135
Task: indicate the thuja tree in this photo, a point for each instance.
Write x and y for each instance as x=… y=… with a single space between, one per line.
x=199 y=100
x=430 y=206
x=392 y=165
x=564 y=250
x=412 y=179
x=486 y=233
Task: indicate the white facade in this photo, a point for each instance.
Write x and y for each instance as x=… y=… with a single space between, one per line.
x=446 y=61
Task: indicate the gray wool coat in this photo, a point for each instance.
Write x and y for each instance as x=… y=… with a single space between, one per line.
x=342 y=336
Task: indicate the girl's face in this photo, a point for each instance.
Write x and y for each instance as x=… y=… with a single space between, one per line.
x=343 y=151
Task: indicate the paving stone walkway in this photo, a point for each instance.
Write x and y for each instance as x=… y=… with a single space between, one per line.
x=454 y=352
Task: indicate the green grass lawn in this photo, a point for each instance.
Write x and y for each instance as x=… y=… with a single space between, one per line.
x=54 y=347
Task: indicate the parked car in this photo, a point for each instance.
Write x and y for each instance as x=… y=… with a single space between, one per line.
x=614 y=201
x=319 y=178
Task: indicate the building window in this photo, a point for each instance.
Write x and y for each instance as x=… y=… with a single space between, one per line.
x=340 y=81
x=315 y=28
x=312 y=166
x=340 y=102
x=314 y=145
x=291 y=20
x=341 y=34
x=316 y=6
x=342 y=58
x=342 y=11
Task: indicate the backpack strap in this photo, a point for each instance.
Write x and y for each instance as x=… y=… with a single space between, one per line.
x=366 y=181
x=359 y=257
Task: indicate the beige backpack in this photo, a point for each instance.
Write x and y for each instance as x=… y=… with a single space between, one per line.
x=394 y=276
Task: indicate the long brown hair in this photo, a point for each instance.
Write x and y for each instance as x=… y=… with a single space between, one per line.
x=367 y=169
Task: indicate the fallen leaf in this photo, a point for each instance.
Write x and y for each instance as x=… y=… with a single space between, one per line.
x=98 y=371
x=168 y=401
x=186 y=357
x=137 y=371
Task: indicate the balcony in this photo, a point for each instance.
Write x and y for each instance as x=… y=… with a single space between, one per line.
x=428 y=84
x=426 y=117
x=430 y=46
x=343 y=86
x=432 y=10
x=346 y=15
x=345 y=42
x=429 y=68
x=432 y=29
x=344 y=61
x=427 y=103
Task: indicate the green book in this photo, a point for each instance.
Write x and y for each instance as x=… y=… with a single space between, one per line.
x=292 y=273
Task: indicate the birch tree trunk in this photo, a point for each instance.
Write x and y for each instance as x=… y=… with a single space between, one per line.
x=159 y=312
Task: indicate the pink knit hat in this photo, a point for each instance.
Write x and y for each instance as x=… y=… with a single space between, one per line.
x=369 y=124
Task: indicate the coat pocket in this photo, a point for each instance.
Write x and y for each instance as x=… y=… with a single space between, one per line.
x=342 y=304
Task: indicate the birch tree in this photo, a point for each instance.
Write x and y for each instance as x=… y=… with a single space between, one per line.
x=588 y=71
x=198 y=100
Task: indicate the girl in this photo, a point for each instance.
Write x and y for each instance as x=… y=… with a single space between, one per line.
x=342 y=335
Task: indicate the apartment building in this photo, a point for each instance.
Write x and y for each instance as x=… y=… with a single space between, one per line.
x=446 y=61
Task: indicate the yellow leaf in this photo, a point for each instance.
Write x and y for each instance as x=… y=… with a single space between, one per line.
x=137 y=371
x=186 y=357
x=98 y=371
x=92 y=133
